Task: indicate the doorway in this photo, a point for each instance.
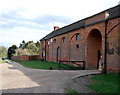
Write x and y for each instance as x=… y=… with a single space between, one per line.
x=58 y=53
x=94 y=43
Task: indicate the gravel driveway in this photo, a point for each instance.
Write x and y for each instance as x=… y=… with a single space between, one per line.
x=18 y=79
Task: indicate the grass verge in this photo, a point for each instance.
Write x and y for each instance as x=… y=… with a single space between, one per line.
x=71 y=91
x=106 y=83
x=46 y=65
x=3 y=61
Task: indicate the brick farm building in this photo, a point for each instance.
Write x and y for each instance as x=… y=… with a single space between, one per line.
x=81 y=40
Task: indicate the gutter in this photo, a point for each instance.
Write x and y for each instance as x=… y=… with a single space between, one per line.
x=85 y=26
x=101 y=21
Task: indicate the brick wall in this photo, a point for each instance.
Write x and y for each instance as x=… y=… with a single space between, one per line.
x=26 y=57
x=91 y=39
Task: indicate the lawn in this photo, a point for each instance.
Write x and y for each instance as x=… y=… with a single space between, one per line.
x=46 y=65
x=71 y=91
x=3 y=61
x=106 y=83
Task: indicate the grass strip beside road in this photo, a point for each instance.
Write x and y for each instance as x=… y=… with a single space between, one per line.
x=71 y=91
x=3 y=61
x=46 y=65
x=106 y=83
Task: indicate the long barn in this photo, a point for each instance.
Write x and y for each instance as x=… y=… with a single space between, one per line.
x=84 y=39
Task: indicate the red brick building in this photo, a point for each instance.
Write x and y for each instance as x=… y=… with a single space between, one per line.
x=82 y=40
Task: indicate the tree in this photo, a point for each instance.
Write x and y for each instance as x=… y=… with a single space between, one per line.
x=23 y=41
x=14 y=46
x=22 y=45
x=33 y=48
x=28 y=48
x=11 y=51
x=3 y=51
x=38 y=44
x=20 y=51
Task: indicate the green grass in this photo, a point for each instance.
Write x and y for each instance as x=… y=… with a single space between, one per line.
x=3 y=61
x=106 y=83
x=45 y=65
x=71 y=91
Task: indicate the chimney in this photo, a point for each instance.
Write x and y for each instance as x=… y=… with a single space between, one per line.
x=56 y=27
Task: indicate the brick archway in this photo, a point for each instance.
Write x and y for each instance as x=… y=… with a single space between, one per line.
x=58 y=54
x=94 y=43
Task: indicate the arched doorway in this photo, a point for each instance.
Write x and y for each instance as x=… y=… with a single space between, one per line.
x=58 y=54
x=94 y=43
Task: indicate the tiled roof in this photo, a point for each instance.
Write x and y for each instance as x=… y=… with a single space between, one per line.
x=113 y=12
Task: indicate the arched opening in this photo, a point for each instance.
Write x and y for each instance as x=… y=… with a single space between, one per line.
x=58 y=54
x=94 y=44
x=42 y=54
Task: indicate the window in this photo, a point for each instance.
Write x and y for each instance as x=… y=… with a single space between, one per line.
x=48 y=42
x=77 y=46
x=77 y=37
x=51 y=40
x=43 y=54
x=63 y=39
x=54 y=40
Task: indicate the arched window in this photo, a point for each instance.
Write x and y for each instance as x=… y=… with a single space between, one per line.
x=77 y=36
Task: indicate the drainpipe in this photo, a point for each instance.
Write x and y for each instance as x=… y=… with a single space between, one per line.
x=105 y=55
x=45 y=49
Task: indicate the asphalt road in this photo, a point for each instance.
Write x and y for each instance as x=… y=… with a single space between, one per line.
x=18 y=79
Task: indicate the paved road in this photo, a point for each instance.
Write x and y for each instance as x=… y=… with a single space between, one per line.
x=18 y=79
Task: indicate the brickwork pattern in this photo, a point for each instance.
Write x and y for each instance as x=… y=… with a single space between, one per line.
x=91 y=39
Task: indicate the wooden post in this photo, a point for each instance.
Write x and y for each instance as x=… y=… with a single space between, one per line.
x=83 y=64
x=59 y=64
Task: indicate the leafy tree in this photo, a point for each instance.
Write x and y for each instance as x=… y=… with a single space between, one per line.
x=11 y=51
x=3 y=51
x=28 y=48
x=33 y=48
x=20 y=51
x=20 y=45
x=38 y=44
x=14 y=47
x=23 y=41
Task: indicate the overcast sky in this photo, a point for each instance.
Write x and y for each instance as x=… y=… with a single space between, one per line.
x=33 y=19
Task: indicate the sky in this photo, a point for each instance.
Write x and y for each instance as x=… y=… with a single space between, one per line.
x=31 y=20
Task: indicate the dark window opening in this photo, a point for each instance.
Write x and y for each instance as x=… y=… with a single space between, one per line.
x=77 y=37
x=63 y=39
x=54 y=40
x=77 y=46
x=42 y=54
